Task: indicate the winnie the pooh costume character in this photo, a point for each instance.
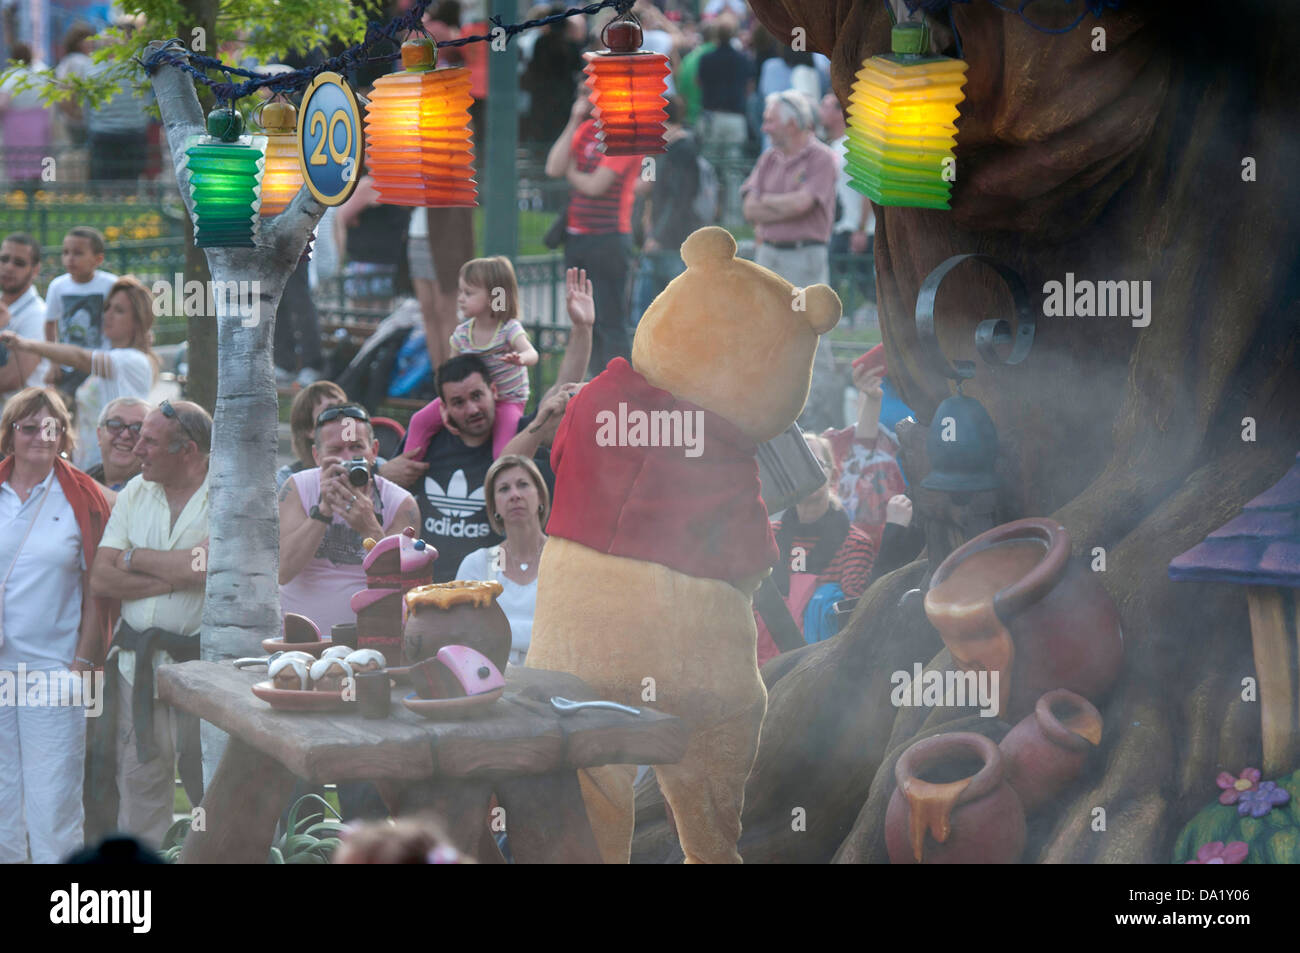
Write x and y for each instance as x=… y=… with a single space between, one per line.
x=658 y=536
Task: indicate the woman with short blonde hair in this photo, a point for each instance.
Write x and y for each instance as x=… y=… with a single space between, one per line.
x=52 y=517
x=306 y=407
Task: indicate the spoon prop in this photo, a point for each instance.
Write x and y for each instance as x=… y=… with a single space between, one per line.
x=564 y=705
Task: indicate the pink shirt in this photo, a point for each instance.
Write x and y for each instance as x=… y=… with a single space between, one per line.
x=323 y=590
x=813 y=169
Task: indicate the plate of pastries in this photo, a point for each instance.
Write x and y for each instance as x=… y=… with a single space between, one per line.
x=298 y=681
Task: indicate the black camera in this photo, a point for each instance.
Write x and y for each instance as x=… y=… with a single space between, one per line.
x=358 y=471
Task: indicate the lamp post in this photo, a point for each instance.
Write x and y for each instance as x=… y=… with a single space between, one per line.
x=500 y=198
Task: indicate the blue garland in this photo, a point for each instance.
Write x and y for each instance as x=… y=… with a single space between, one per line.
x=935 y=7
x=175 y=54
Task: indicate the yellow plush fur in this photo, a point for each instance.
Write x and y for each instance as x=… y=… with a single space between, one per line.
x=738 y=340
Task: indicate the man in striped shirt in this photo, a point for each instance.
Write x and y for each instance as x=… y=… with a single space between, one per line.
x=599 y=232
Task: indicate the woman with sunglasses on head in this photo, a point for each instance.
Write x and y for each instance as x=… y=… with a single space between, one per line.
x=126 y=368
x=51 y=519
x=119 y=429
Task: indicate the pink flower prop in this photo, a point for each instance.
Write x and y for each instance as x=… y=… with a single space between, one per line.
x=1217 y=852
x=1233 y=787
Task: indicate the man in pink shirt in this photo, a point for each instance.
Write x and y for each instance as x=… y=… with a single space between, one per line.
x=790 y=199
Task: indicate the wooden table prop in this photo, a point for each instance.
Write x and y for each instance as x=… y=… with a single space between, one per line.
x=519 y=748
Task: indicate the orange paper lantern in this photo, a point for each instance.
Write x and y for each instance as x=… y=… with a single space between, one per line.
x=418 y=144
x=627 y=92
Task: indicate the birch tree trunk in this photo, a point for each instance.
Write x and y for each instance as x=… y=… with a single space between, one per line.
x=242 y=602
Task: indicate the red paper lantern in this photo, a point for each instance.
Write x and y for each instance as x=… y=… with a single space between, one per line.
x=627 y=91
x=418 y=144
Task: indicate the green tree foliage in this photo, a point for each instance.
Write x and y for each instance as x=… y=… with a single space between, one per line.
x=262 y=29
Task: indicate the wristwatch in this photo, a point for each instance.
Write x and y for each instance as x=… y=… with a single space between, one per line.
x=126 y=558
x=317 y=515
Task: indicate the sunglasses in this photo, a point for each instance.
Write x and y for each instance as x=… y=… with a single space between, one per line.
x=333 y=413
x=115 y=425
x=31 y=430
x=170 y=413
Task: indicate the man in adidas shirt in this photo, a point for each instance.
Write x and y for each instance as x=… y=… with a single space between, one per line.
x=447 y=481
x=447 y=478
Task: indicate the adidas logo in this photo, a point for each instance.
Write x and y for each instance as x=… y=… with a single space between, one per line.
x=454 y=500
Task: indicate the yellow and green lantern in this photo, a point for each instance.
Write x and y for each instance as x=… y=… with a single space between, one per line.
x=902 y=118
x=225 y=177
x=282 y=175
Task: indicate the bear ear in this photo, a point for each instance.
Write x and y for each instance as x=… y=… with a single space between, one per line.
x=710 y=243
x=822 y=307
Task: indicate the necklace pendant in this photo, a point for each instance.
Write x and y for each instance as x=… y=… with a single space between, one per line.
x=524 y=566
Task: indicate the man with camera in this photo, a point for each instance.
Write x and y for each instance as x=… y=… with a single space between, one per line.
x=328 y=511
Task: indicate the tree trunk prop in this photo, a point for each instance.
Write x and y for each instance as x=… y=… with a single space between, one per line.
x=242 y=600
x=1124 y=165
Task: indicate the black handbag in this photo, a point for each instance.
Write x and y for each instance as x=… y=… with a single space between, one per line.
x=559 y=230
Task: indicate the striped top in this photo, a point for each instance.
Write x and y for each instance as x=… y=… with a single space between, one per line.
x=612 y=210
x=851 y=567
x=511 y=379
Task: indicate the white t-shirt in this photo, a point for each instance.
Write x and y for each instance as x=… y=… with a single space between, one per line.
x=121 y=372
x=42 y=606
x=419 y=227
x=850 y=200
x=27 y=320
x=78 y=307
x=660 y=41
x=518 y=602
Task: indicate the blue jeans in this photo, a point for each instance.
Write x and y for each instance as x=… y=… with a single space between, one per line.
x=653 y=272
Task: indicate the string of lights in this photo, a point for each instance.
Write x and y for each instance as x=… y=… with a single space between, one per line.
x=226 y=91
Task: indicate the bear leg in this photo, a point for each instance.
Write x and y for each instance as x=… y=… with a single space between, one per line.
x=706 y=789
x=608 y=793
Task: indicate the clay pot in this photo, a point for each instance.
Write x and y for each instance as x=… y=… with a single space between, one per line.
x=1013 y=601
x=1048 y=749
x=477 y=622
x=953 y=805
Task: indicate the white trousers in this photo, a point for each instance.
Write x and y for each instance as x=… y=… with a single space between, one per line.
x=42 y=766
x=146 y=791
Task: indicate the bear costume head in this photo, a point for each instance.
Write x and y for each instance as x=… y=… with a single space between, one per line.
x=734 y=337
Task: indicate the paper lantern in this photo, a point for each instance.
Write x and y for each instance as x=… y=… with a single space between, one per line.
x=225 y=176
x=902 y=118
x=418 y=143
x=282 y=177
x=627 y=91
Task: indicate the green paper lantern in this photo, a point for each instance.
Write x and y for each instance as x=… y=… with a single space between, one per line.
x=902 y=118
x=225 y=183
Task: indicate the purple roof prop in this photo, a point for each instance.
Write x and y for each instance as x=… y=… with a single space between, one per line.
x=1261 y=547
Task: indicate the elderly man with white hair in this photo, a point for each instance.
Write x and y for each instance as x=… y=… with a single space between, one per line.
x=118 y=430
x=790 y=199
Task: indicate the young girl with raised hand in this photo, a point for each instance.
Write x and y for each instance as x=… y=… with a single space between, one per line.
x=488 y=302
